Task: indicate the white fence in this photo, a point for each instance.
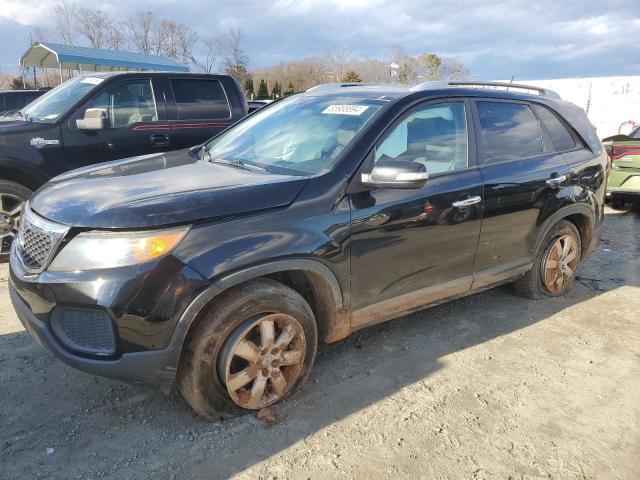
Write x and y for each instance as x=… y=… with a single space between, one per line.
x=609 y=101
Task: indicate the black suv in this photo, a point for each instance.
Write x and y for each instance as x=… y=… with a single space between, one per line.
x=221 y=267
x=107 y=116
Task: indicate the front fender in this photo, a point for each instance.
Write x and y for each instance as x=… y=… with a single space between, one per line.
x=22 y=172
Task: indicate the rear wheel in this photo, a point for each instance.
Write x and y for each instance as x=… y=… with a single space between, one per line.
x=12 y=198
x=555 y=264
x=251 y=349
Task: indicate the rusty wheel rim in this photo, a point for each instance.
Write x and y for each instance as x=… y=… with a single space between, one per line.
x=10 y=209
x=560 y=264
x=264 y=360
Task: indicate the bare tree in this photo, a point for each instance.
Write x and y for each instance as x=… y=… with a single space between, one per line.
x=95 y=26
x=311 y=71
x=5 y=81
x=213 y=50
x=341 y=59
x=235 y=59
x=64 y=15
x=176 y=41
x=140 y=28
x=116 y=39
x=452 y=69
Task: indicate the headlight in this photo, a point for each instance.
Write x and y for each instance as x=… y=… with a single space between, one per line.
x=98 y=250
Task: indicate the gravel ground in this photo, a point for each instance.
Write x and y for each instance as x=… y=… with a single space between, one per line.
x=489 y=386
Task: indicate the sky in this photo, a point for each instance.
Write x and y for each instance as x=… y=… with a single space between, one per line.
x=532 y=39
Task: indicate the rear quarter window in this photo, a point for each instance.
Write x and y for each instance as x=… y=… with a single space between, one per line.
x=508 y=131
x=200 y=99
x=560 y=136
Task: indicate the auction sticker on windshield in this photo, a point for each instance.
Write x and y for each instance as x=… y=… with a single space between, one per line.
x=345 y=109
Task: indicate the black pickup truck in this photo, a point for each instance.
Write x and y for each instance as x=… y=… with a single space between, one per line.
x=103 y=117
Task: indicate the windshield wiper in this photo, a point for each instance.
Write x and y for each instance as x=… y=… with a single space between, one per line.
x=233 y=163
x=16 y=113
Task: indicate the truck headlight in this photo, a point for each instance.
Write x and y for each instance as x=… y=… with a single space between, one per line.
x=99 y=250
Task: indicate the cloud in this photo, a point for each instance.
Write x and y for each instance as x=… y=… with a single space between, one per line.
x=496 y=39
x=22 y=12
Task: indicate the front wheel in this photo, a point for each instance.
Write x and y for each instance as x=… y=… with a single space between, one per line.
x=12 y=198
x=252 y=348
x=555 y=264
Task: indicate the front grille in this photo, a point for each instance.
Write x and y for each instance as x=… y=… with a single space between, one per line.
x=84 y=330
x=37 y=240
x=36 y=246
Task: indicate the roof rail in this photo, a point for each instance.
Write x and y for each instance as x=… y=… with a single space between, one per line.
x=327 y=86
x=545 y=92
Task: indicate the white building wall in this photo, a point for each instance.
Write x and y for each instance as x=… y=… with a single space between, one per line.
x=609 y=101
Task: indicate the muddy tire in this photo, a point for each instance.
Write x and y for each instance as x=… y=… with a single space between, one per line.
x=12 y=197
x=251 y=348
x=555 y=263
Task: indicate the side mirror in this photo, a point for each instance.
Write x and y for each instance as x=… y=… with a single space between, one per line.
x=396 y=174
x=94 y=119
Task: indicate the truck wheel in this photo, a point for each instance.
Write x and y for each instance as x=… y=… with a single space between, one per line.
x=555 y=264
x=250 y=349
x=12 y=198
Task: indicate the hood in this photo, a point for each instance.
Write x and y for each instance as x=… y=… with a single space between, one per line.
x=15 y=124
x=9 y=122
x=160 y=190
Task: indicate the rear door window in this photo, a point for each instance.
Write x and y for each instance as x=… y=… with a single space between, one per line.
x=200 y=99
x=560 y=136
x=508 y=131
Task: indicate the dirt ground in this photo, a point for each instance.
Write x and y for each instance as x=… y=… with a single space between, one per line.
x=490 y=386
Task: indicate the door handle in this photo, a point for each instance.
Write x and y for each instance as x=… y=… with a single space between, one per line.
x=554 y=182
x=159 y=140
x=467 y=202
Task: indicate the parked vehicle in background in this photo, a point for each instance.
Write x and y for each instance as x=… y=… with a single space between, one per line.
x=103 y=117
x=624 y=180
x=14 y=100
x=222 y=267
x=257 y=104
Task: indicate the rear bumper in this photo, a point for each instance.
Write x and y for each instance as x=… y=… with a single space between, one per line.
x=622 y=195
x=153 y=367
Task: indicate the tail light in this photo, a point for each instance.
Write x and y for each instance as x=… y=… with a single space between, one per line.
x=619 y=151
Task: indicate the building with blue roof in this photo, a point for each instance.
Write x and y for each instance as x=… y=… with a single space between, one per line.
x=71 y=57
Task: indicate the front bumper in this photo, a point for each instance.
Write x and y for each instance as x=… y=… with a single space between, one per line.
x=142 y=304
x=155 y=366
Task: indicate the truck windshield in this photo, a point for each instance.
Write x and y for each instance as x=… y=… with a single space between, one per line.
x=301 y=135
x=50 y=106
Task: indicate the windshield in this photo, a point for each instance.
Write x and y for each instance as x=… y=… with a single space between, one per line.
x=301 y=135
x=50 y=106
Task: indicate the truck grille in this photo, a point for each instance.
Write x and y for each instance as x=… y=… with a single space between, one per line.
x=37 y=240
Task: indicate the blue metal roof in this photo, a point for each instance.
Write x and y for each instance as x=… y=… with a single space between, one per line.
x=40 y=55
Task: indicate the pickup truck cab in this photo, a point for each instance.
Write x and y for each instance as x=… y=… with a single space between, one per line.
x=103 y=117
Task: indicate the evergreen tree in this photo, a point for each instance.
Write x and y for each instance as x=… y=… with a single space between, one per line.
x=263 y=91
x=276 y=91
x=352 y=77
x=248 y=86
x=290 y=89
